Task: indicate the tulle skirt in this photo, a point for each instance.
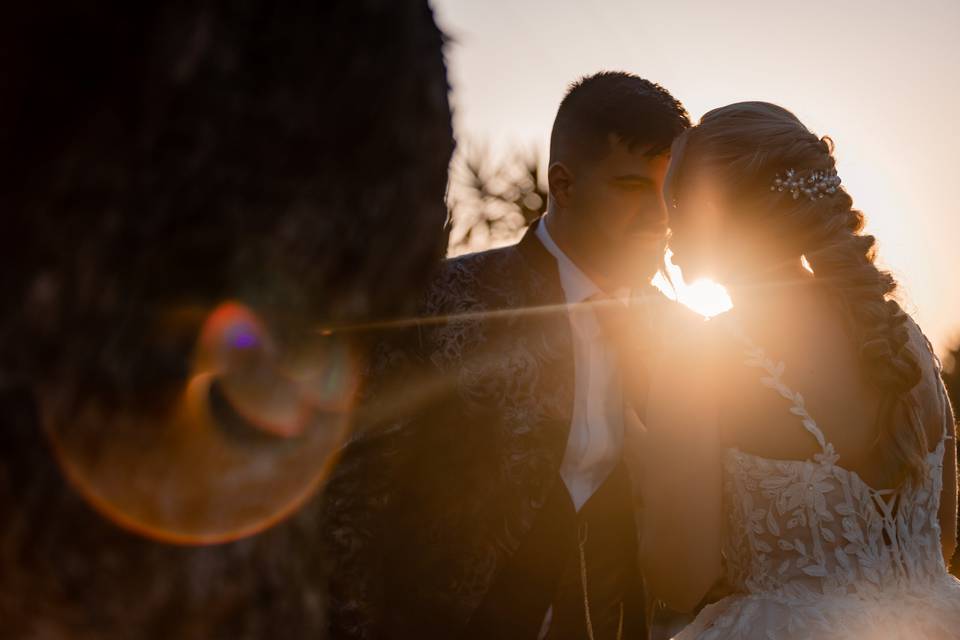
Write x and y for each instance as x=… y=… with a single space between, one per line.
x=931 y=612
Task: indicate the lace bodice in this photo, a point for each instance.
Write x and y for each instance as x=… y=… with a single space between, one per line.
x=814 y=552
x=802 y=529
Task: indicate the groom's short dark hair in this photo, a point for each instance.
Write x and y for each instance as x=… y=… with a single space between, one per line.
x=640 y=113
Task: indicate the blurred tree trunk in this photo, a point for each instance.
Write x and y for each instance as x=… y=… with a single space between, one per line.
x=155 y=154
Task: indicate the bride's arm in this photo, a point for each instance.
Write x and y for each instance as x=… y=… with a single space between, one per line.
x=681 y=485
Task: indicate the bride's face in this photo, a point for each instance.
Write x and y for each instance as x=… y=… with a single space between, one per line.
x=697 y=223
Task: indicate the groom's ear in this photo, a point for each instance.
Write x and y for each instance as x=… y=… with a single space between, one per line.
x=560 y=182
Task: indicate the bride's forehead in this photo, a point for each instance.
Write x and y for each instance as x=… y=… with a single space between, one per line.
x=689 y=179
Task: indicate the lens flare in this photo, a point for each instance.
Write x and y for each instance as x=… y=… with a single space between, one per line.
x=249 y=439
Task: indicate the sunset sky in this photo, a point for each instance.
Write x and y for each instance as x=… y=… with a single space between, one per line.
x=881 y=78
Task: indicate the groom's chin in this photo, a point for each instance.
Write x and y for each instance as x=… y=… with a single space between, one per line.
x=638 y=271
x=644 y=262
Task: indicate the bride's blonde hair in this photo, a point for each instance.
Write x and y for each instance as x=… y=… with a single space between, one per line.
x=743 y=148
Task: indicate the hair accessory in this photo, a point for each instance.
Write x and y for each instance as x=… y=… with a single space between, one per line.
x=816 y=185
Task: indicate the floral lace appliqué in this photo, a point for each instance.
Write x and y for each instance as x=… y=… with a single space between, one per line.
x=814 y=551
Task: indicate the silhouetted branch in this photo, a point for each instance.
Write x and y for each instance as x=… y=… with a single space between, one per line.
x=492 y=200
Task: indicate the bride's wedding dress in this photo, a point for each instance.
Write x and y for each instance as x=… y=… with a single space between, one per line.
x=812 y=551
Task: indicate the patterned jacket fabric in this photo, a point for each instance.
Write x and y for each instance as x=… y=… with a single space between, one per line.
x=462 y=427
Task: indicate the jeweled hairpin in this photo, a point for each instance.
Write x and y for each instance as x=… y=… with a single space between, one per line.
x=816 y=185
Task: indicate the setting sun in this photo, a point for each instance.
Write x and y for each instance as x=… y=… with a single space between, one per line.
x=706 y=297
x=703 y=296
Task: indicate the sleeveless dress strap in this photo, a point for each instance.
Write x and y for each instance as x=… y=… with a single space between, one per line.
x=755 y=356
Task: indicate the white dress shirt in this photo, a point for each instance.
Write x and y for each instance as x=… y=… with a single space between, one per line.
x=596 y=428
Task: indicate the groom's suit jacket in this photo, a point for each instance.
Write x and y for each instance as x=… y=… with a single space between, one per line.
x=460 y=434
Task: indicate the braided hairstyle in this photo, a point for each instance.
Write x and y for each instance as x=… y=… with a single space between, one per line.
x=744 y=147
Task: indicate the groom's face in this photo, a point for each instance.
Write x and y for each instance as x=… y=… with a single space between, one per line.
x=617 y=203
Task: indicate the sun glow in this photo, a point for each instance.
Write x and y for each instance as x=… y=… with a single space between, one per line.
x=703 y=296
x=706 y=297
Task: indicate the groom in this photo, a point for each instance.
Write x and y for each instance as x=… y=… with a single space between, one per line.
x=484 y=494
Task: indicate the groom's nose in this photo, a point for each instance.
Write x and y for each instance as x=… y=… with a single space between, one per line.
x=653 y=215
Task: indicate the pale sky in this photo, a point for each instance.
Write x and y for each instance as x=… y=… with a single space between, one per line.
x=881 y=78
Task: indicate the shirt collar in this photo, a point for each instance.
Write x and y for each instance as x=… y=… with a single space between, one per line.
x=577 y=286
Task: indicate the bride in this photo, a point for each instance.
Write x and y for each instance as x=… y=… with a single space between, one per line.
x=799 y=454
